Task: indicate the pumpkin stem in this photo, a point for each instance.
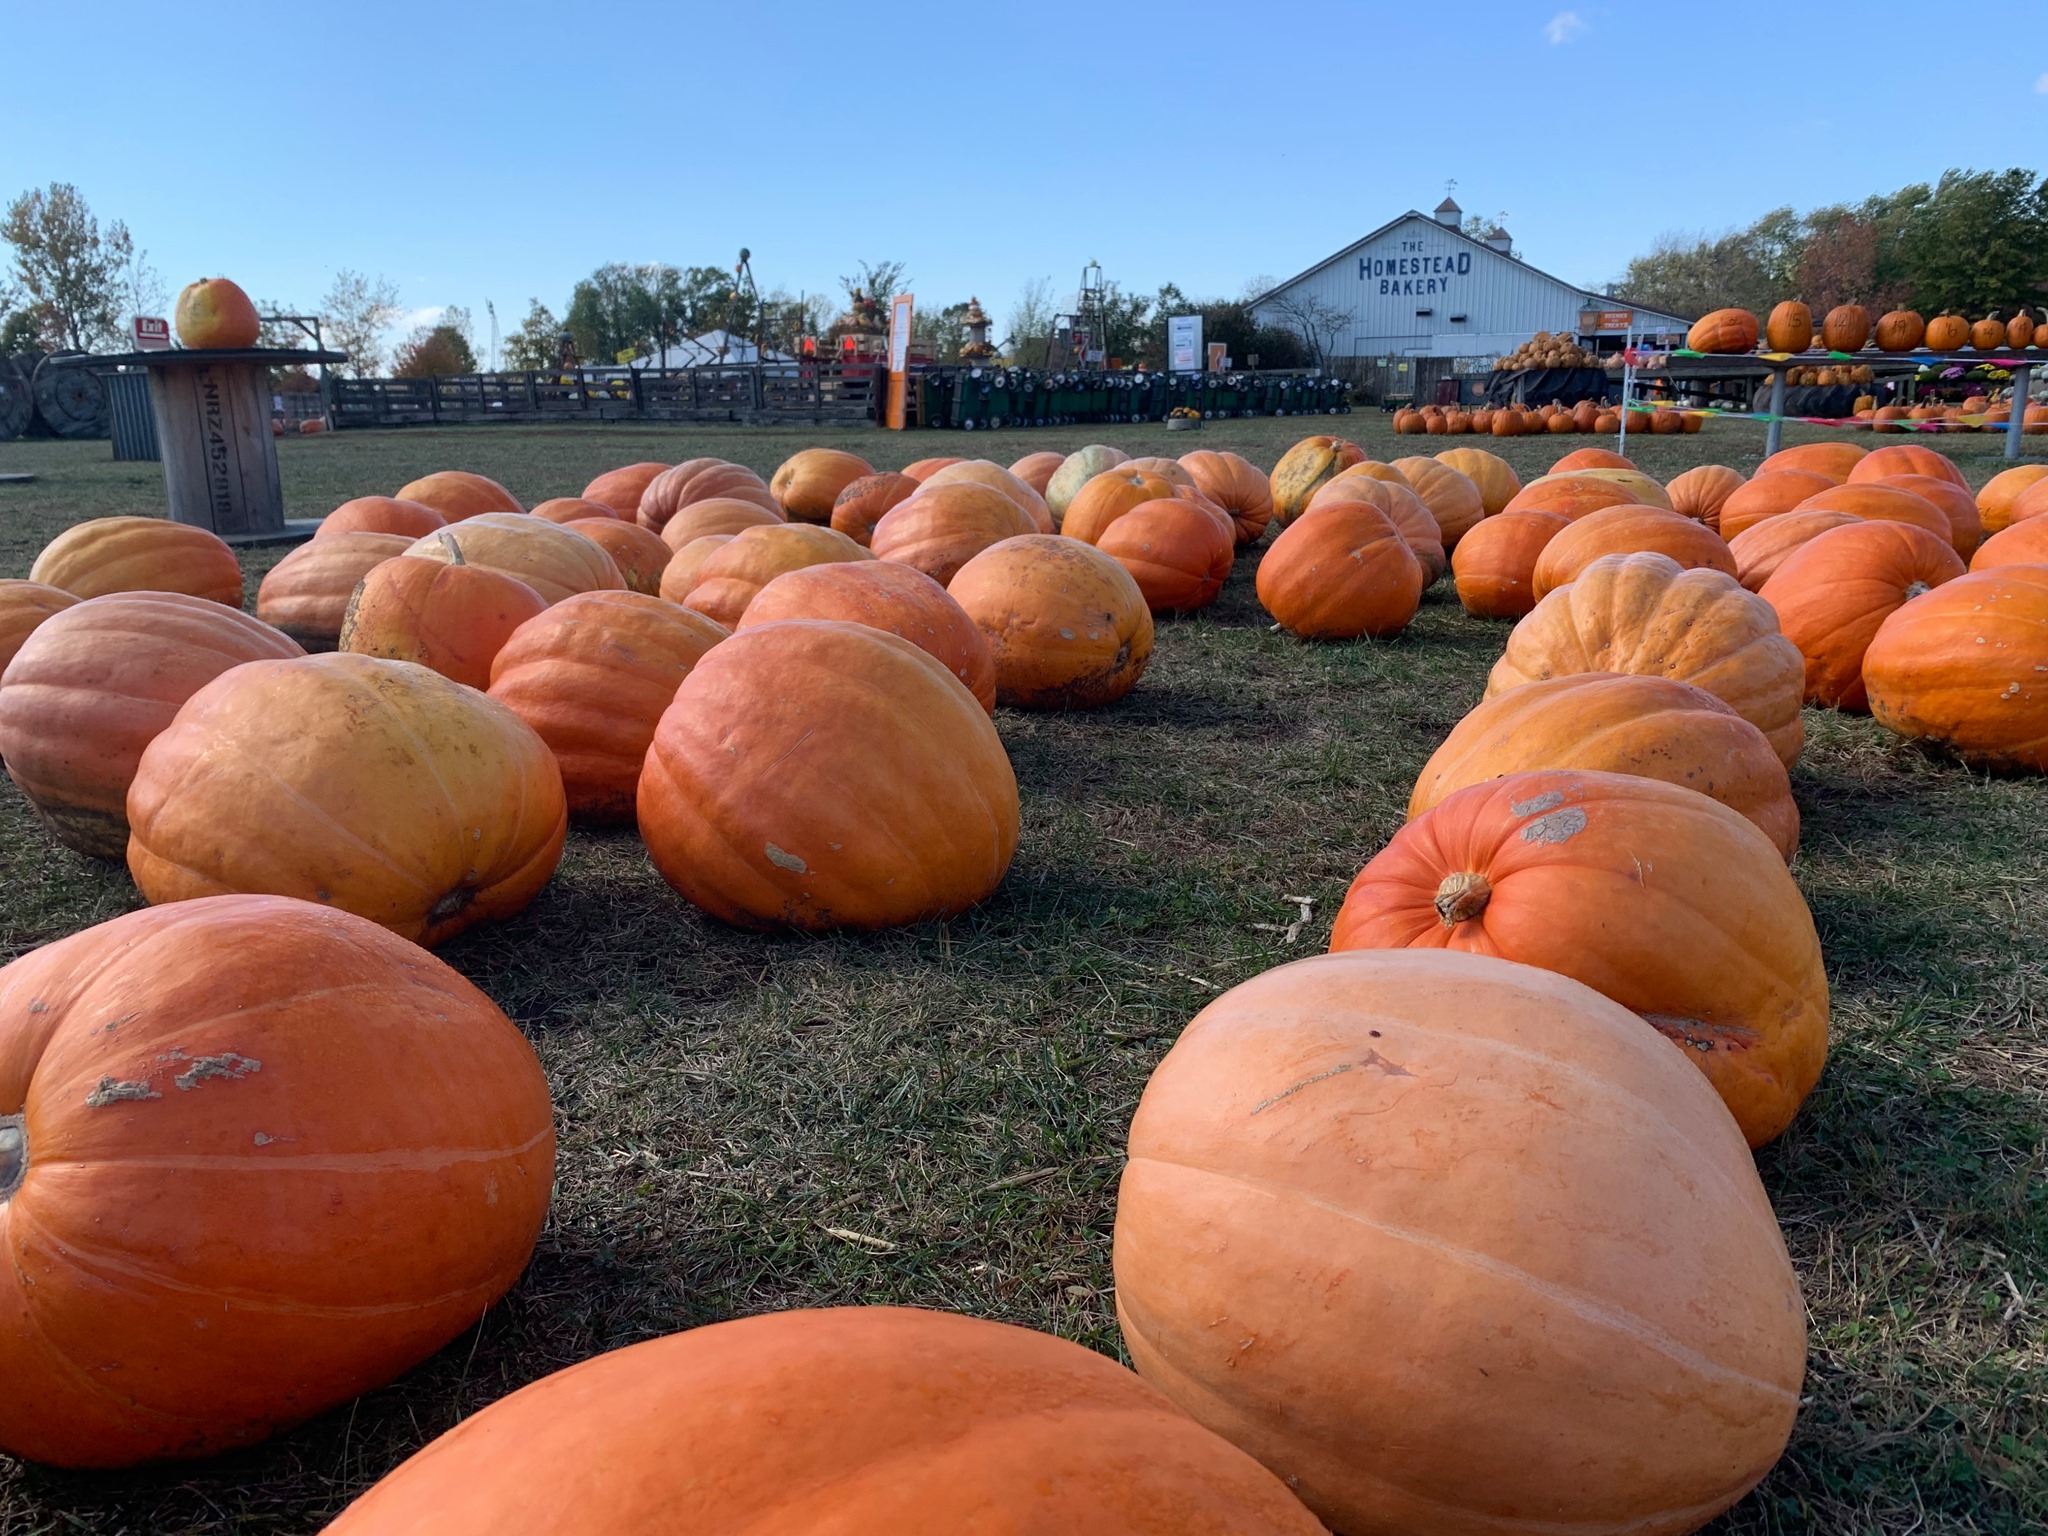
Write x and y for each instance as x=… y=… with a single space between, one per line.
x=1462 y=897
x=454 y=549
x=13 y=1155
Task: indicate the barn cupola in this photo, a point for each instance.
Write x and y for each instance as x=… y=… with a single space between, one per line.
x=1497 y=239
x=1449 y=214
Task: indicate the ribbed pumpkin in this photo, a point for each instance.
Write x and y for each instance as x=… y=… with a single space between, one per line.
x=23 y=606
x=394 y=1121
x=1495 y=477
x=139 y=554
x=1789 y=328
x=1644 y=488
x=2001 y=493
x=1771 y=493
x=306 y=594
x=1882 y=503
x=2025 y=543
x=864 y=501
x=1340 y=571
x=94 y=684
x=1702 y=491
x=680 y=575
x=921 y=470
x=1965 y=527
x=1613 y=722
x=380 y=514
x=809 y=481
x=894 y=598
x=555 y=561
x=1906 y=459
x=1900 y=330
x=1947 y=333
x=1966 y=665
x=1235 y=485
x=696 y=480
x=1495 y=564
x=621 y=488
x=1410 y=517
x=1108 y=497
x=964 y=1425
x=640 y=555
x=1647 y=614
x=1304 y=468
x=375 y=786
x=943 y=526
x=1724 y=330
x=1718 y=951
x=1180 y=554
x=717 y=515
x=1458 y=1247
x=1846 y=328
x=459 y=495
x=985 y=472
x=727 y=581
x=1833 y=592
x=571 y=509
x=1627 y=531
x=592 y=676
x=1761 y=548
x=1066 y=624
x=1078 y=468
x=1453 y=500
x=1571 y=496
x=1592 y=458
x=1036 y=469
x=816 y=774
x=1831 y=461
x=452 y=618
x=2031 y=502
x=1364 y=469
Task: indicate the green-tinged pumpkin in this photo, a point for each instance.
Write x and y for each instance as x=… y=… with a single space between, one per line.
x=1304 y=469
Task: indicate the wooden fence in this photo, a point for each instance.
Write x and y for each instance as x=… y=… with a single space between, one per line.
x=757 y=393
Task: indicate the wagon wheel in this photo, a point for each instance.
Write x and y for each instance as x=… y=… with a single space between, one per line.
x=69 y=396
x=17 y=406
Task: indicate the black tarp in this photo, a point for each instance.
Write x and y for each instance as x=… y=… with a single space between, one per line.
x=1541 y=386
x=1831 y=400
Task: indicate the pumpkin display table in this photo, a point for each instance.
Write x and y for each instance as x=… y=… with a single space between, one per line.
x=212 y=410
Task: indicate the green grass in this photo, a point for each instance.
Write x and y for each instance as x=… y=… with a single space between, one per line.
x=959 y=1092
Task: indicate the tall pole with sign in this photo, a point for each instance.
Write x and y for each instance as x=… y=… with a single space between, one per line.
x=1184 y=344
x=899 y=358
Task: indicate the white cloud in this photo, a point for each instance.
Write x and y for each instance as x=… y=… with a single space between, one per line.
x=2041 y=86
x=1566 y=25
x=412 y=319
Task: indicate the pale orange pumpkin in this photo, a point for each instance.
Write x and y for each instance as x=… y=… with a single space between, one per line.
x=306 y=594
x=1067 y=626
x=1571 y=495
x=570 y=509
x=864 y=502
x=1762 y=547
x=1592 y=458
x=1410 y=517
x=1702 y=491
x=696 y=480
x=1036 y=469
x=458 y=495
x=728 y=580
x=921 y=470
x=1906 y=459
x=555 y=561
x=450 y=616
x=380 y=514
x=1881 y=503
x=1626 y=531
x=680 y=575
x=1771 y=493
x=214 y=313
x=945 y=525
x=1831 y=461
x=1452 y=498
x=139 y=554
x=983 y=472
x=810 y=480
x=23 y=606
x=621 y=488
x=1495 y=477
x=715 y=515
x=640 y=555
x=1109 y=496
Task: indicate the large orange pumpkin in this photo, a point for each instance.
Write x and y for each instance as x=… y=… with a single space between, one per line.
x=92 y=686
x=696 y=480
x=2024 y=543
x=1645 y=613
x=921 y=470
x=1900 y=330
x=727 y=581
x=306 y=594
x=1075 y=471
x=375 y=786
x=1233 y=484
x=1882 y=503
x=1965 y=527
x=23 y=607
x=1180 y=554
x=1831 y=461
x=943 y=526
x=214 y=313
x=1702 y=491
x=1966 y=665
x=264 y=1157
x=1036 y=469
x=571 y=509
x=592 y=675
x=984 y=472
x=139 y=554
x=1304 y=468
x=452 y=618
x=679 y=576
x=1066 y=624
x=1449 y=494
x=1554 y=869
x=815 y=774
x=1724 y=330
x=1835 y=590
x=1846 y=328
x=2001 y=493
x=621 y=488
x=1790 y=327
x=1495 y=477
x=1771 y=493
x=1571 y=495
x=717 y=515
x=457 y=494
x=2029 y=503
x=1613 y=722
x=1592 y=458
x=809 y=481
x=882 y=595
x=1340 y=571
x=1404 y=508
x=1458 y=1247
x=640 y=555
x=1906 y=459
x=1108 y=497
x=1495 y=564
x=1626 y=531
x=380 y=514
x=864 y=502
x=554 y=561
x=1762 y=547
x=964 y=1425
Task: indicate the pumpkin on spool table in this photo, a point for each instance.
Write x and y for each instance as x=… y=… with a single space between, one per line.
x=1906 y=459
x=621 y=488
x=1627 y=531
x=864 y=501
x=1790 y=327
x=1846 y=328
x=728 y=580
x=1495 y=564
x=1036 y=469
x=1882 y=503
x=1966 y=528
x=809 y=481
x=214 y=313
x=1304 y=468
x=1612 y=722
x=1702 y=491
x=23 y=607
x=893 y=598
x=1075 y=471
x=139 y=554
x=571 y=509
x=2024 y=543
x=305 y=595
x=459 y=495
x=91 y=687
x=592 y=675
x=394 y=1120
x=379 y=787
x=1451 y=497
x=1234 y=485
x=714 y=515
x=1964 y=666
x=695 y=480
x=943 y=526
x=2001 y=494
x=1178 y=553
x=1947 y=333
x=556 y=562
x=1552 y=1203
x=1901 y=330
x=1647 y=614
x=1761 y=548
x=814 y=774
x=1770 y=493
x=1066 y=624
x=641 y=556
x=994 y=477
x=380 y=514
x=1495 y=477
x=1571 y=495
x=1108 y=497
x=1592 y=458
x=1724 y=330
x=451 y=617
x=1404 y=508
x=1339 y=571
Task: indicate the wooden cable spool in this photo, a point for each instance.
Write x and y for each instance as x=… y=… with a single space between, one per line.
x=69 y=396
x=17 y=404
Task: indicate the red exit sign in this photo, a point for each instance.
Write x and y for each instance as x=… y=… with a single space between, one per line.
x=152 y=335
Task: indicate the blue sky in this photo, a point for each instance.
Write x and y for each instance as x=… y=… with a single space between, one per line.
x=475 y=152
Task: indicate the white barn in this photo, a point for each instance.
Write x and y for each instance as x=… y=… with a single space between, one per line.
x=1420 y=287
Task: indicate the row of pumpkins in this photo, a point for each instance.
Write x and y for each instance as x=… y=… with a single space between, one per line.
x=1573 y=1307
x=1528 y=420
x=1848 y=328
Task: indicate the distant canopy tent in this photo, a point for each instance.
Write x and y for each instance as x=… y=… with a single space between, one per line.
x=712 y=349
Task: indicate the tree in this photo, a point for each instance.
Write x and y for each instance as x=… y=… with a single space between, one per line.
x=534 y=345
x=1030 y=325
x=435 y=350
x=611 y=312
x=878 y=280
x=1978 y=244
x=1838 y=264
x=354 y=317
x=1688 y=275
x=76 y=276
x=20 y=331
x=1317 y=324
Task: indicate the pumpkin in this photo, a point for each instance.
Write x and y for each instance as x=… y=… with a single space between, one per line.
x=215 y=313
x=380 y=514
x=1457 y=1247
x=1066 y=624
x=376 y=786
x=1506 y=423
x=1404 y=508
x=1901 y=330
x=1408 y=422
x=1947 y=333
x=453 y=618
x=1179 y=553
x=394 y=1121
x=1036 y=469
x=922 y=469
x=1906 y=459
x=895 y=598
x=1495 y=477
x=1172 y=469
x=1724 y=330
x=1988 y=334
x=814 y=774
x=717 y=514
x=1762 y=547
x=2021 y=330
x=621 y=488
x=1834 y=591
x=808 y=482
x=1964 y=664
x=1664 y=422
x=728 y=580
x=555 y=562
x=1645 y=489
x=1339 y=571
x=696 y=480
x=2024 y=543
x=1592 y=458
x=1304 y=468
x=1233 y=484
x=1451 y=497
x=1882 y=503
x=592 y=676
x=1495 y=564
x=680 y=575
x=2001 y=493
x=864 y=501
x=1702 y=491
x=1626 y=531
x=996 y=478
x=1718 y=952
x=1607 y=421
x=1647 y=614
x=1846 y=328
x=1571 y=496
x=1109 y=496
x=458 y=495
x=1075 y=471
x=1830 y=461
x=1364 y=469
x=1771 y=493
x=139 y=554
x=963 y=1425
x=23 y=606
x=1965 y=528
x=640 y=556
x=944 y=526
x=305 y=595
x=1789 y=328
x=571 y=509
x=1887 y=417
x=92 y=686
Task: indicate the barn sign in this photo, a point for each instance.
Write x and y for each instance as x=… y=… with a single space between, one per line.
x=1413 y=267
